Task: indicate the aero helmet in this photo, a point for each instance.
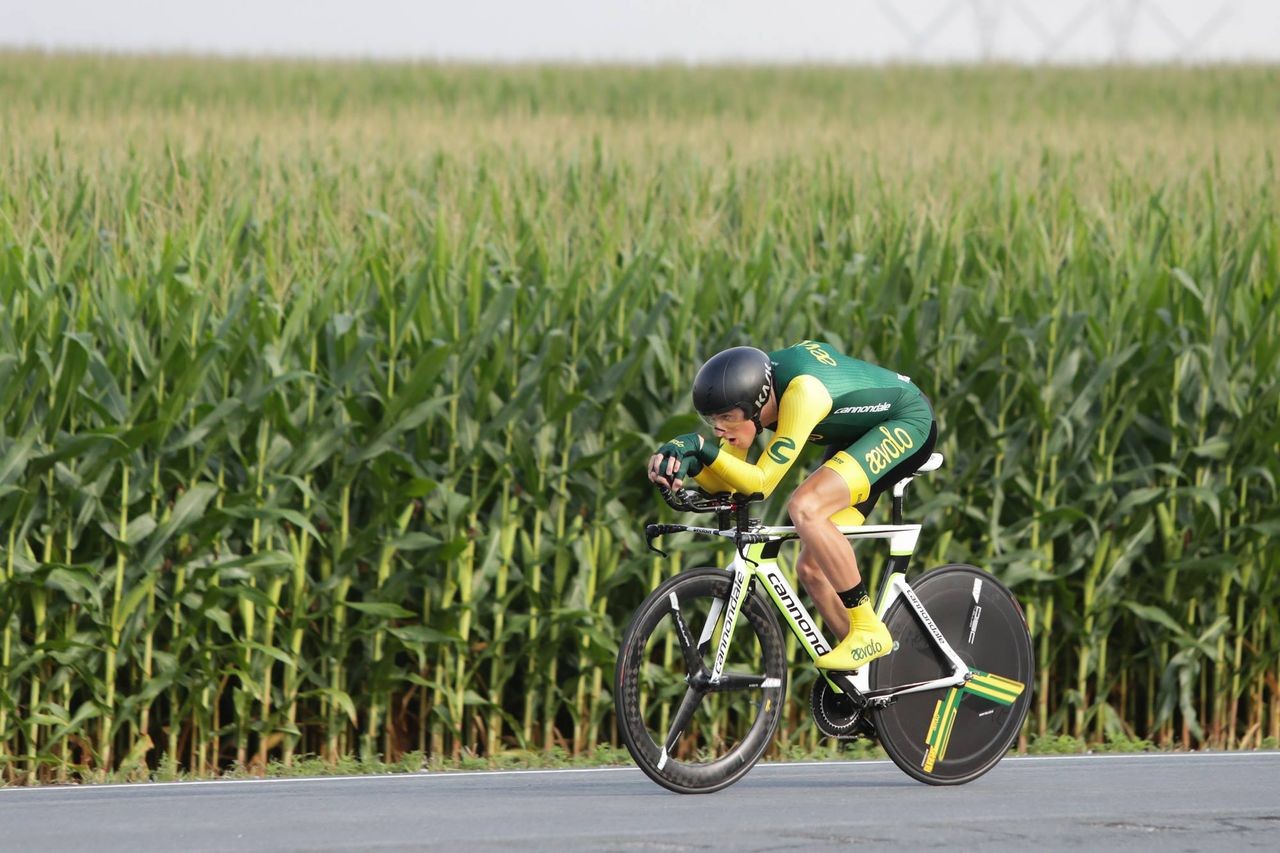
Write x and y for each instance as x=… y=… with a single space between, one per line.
x=738 y=378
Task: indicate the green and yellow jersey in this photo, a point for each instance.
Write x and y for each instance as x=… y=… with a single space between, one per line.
x=879 y=417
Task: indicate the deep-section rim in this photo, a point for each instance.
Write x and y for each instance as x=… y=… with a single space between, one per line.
x=757 y=616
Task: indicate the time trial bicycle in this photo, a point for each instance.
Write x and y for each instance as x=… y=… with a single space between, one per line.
x=701 y=677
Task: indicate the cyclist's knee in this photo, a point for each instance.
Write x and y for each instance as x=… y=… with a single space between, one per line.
x=806 y=507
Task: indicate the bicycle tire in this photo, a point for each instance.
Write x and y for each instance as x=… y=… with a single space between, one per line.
x=954 y=735
x=729 y=733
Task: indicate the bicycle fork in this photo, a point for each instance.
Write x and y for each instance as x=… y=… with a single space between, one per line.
x=702 y=681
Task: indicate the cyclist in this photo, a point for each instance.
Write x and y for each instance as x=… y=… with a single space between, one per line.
x=877 y=428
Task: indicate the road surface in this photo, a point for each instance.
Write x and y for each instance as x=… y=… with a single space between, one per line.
x=1167 y=802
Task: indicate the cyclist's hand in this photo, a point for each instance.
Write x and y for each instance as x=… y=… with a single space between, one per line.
x=675 y=460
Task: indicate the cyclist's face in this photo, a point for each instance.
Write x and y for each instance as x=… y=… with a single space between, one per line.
x=733 y=426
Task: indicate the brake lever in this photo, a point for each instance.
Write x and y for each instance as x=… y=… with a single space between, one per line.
x=652 y=532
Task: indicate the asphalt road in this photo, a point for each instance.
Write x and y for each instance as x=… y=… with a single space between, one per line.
x=1225 y=801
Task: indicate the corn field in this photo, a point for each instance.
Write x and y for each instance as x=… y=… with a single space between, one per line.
x=326 y=389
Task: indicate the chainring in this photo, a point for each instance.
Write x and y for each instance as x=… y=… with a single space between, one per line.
x=835 y=714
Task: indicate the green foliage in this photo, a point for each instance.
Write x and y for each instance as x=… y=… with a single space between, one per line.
x=1124 y=743
x=325 y=390
x=1056 y=745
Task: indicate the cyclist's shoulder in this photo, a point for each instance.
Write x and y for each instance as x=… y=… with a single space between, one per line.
x=824 y=361
x=812 y=358
x=821 y=362
x=818 y=351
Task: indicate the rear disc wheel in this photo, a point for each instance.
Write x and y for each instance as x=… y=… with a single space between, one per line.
x=954 y=735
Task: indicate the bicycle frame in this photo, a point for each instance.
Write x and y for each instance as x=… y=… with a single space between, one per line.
x=759 y=562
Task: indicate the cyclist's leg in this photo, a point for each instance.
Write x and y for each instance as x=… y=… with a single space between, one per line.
x=822 y=501
x=812 y=577
x=818 y=496
x=823 y=595
x=869 y=467
x=821 y=496
x=866 y=637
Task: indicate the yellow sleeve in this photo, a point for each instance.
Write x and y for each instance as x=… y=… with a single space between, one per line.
x=801 y=406
x=712 y=483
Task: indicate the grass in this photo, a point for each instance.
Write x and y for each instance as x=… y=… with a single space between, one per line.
x=312 y=766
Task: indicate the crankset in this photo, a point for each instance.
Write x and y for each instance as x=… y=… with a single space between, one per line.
x=836 y=714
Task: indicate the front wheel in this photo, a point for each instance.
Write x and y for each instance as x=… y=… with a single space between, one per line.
x=686 y=734
x=954 y=735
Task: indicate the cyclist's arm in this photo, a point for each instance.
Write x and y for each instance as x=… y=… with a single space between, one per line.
x=709 y=480
x=806 y=402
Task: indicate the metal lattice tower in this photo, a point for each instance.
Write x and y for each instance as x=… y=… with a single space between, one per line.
x=1122 y=15
x=921 y=24
x=919 y=34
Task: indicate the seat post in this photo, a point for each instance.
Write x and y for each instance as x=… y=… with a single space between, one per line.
x=933 y=463
x=899 y=489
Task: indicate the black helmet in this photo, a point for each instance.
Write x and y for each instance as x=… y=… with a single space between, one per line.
x=739 y=378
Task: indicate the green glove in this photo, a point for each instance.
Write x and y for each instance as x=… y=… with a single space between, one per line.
x=683 y=449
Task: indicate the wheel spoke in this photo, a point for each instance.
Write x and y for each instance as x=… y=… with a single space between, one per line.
x=692 y=698
x=692 y=660
x=687 y=735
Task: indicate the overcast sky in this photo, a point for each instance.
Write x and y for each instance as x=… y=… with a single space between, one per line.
x=660 y=30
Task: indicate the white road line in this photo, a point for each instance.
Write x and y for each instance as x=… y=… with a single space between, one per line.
x=1118 y=756
x=438 y=774
x=1108 y=756
x=474 y=774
